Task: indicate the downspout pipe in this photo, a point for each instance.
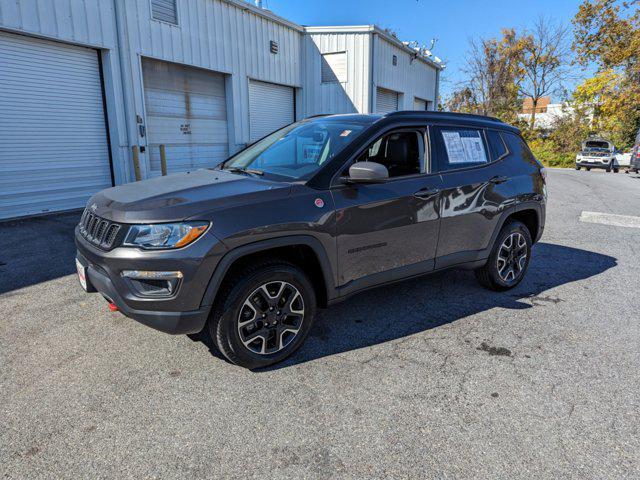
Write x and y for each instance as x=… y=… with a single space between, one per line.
x=125 y=73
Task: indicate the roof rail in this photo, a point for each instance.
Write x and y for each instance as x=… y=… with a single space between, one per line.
x=401 y=113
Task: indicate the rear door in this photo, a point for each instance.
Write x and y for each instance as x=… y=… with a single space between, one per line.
x=476 y=189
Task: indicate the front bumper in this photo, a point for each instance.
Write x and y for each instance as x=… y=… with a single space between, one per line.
x=595 y=163
x=184 y=310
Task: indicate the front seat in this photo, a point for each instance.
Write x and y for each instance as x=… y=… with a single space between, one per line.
x=399 y=160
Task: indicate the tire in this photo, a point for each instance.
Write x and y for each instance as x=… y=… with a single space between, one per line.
x=267 y=323
x=577 y=167
x=608 y=169
x=490 y=275
x=616 y=170
x=588 y=169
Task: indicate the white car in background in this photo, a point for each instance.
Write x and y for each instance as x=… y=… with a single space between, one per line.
x=597 y=153
x=624 y=160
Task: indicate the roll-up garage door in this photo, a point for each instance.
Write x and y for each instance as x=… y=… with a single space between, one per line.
x=386 y=100
x=419 y=104
x=186 y=111
x=271 y=107
x=53 y=141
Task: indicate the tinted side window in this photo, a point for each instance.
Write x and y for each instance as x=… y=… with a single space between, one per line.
x=461 y=147
x=498 y=149
x=401 y=152
x=518 y=147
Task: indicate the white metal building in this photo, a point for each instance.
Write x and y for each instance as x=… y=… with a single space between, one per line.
x=85 y=82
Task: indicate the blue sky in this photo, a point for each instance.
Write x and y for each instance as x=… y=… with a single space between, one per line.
x=452 y=22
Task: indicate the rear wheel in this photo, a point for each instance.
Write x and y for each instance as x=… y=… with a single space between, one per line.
x=509 y=258
x=587 y=169
x=265 y=314
x=578 y=167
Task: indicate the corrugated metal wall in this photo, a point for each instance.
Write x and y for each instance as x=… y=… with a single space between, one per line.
x=352 y=96
x=79 y=21
x=412 y=79
x=218 y=36
x=224 y=36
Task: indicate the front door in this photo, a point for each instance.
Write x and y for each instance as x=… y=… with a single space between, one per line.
x=386 y=228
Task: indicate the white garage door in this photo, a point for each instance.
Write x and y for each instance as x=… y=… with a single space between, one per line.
x=419 y=104
x=53 y=141
x=187 y=112
x=270 y=107
x=386 y=100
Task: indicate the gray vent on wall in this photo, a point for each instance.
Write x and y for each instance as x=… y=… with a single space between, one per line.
x=165 y=11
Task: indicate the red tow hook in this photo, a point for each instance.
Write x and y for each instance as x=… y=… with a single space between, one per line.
x=113 y=307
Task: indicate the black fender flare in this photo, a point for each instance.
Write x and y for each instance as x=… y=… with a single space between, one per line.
x=235 y=254
x=526 y=205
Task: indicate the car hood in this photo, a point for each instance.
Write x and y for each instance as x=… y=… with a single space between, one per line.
x=180 y=196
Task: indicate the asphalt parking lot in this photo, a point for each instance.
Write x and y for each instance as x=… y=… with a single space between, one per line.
x=429 y=378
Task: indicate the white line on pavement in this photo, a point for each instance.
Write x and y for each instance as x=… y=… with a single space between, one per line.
x=610 y=219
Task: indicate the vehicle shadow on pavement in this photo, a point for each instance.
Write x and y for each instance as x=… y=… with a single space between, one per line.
x=36 y=250
x=417 y=305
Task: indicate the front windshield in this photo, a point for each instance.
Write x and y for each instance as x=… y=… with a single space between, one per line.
x=296 y=151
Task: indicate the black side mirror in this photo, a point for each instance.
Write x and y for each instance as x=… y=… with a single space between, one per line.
x=368 y=172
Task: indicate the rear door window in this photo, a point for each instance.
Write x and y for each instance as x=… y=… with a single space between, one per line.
x=460 y=147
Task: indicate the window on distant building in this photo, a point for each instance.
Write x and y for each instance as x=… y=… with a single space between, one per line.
x=334 y=67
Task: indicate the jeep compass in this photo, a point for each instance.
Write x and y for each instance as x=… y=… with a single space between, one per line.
x=309 y=215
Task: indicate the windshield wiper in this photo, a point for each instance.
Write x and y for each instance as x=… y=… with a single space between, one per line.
x=244 y=170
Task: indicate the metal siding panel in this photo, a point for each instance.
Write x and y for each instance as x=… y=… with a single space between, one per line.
x=180 y=99
x=53 y=144
x=271 y=107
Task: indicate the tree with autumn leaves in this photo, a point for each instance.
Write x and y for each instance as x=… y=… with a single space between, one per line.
x=538 y=62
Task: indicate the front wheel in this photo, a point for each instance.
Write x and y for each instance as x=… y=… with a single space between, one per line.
x=588 y=169
x=265 y=314
x=509 y=258
x=577 y=167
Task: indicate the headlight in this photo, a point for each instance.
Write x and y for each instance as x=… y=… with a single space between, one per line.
x=164 y=235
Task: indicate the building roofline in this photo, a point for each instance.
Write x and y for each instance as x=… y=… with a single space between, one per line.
x=372 y=29
x=262 y=12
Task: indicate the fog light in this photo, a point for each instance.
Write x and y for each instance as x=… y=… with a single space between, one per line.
x=147 y=275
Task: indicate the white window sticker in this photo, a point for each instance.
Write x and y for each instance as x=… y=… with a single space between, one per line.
x=464 y=146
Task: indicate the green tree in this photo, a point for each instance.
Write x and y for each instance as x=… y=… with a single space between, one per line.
x=492 y=76
x=543 y=59
x=607 y=33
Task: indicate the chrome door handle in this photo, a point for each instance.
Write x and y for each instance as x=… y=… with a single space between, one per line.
x=427 y=192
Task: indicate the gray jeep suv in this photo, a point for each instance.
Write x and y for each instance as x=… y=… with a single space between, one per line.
x=308 y=216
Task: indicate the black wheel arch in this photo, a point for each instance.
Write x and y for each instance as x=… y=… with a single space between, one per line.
x=280 y=247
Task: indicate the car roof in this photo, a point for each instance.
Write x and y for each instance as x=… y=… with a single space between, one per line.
x=422 y=115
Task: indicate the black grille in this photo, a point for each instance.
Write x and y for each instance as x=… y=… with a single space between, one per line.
x=99 y=231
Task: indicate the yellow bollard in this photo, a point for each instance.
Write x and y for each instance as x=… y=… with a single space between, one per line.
x=136 y=162
x=163 y=160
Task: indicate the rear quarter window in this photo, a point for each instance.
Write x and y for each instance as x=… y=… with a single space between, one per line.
x=496 y=144
x=518 y=147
